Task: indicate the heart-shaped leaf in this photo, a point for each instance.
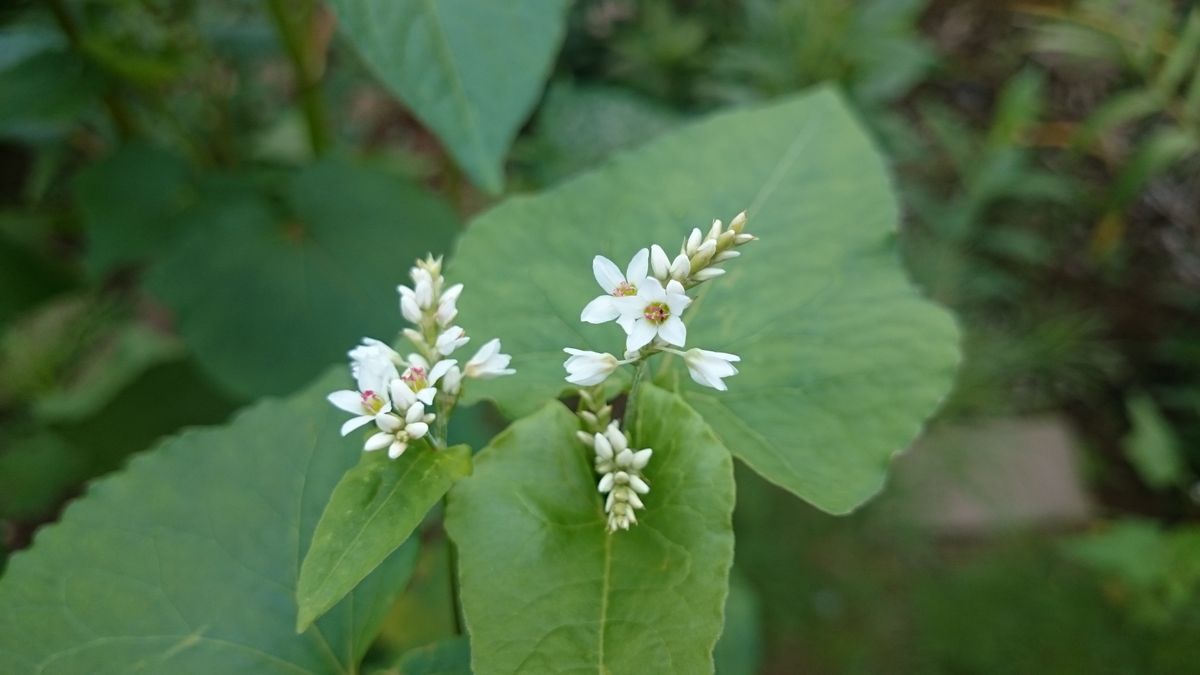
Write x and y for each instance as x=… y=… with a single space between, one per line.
x=547 y=589
x=470 y=69
x=842 y=360
x=187 y=561
x=373 y=510
x=268 y=297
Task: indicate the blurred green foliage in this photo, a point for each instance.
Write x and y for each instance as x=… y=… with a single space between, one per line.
x=170 y=169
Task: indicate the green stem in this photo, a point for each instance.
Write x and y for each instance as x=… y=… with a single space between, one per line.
x=296 y=42
x=639 y=372
x=122 y=118
x=455 y=599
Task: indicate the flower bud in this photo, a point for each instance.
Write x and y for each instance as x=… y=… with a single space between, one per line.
x=708 y=273
x=660 y=264
x=738 y=223
x=693 y=241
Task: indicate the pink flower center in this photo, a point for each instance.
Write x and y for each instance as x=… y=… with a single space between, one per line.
x=415 y=378
x=624 y=289
x=371 y=402
x=656 y=312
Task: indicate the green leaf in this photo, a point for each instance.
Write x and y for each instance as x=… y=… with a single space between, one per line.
x=128 y=201
x=1122 y=108
x=373 y=510
x=448 y=657
x=1156 y=153
x=1182 y=59
x=842 y=360
x=546 y=589
x=37 y=470
x=471 y=70
x=1152 y=448
x=186 y=562
x=301 y=284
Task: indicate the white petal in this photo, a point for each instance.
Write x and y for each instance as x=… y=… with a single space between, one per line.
x=673 y=331
x=638 y=484
x=417 y=429
x=402 y=395
x=486 y=352
x=350 y=401
x=693 y=240
x=409 y=308
x=641 y=458
x=606 y=483
x=397 y=448
x=641 y=335
x=439 y=369
x=427 y=395
x=603 y=447
x=680 y=267
x=356 y=423
x=659 y=262
x=601 y=309
x=414 y=414
x=388 y=423
x=638 y=266
x=607 y=274
x=378 y=442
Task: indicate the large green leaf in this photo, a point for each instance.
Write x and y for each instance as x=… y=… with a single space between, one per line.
x=128 y=201
x=547 y=590
x=448 y=657
x=842 y=358
x=469 y=69
x=187 y=561
x=268 y=297
x=373 y=510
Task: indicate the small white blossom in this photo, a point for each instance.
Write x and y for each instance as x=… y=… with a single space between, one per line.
x=420 y=379
x=373 y=366
x=452 y=381
x=396 y=432
x=488 y=362
x=451 y=339
x=709 y=368
x=586 y=368
x=410 y=309
x=448 y=305
x=655 y=312
x=616 y=286
x=620 y=470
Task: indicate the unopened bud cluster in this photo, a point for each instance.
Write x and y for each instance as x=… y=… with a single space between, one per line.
x=620 y=467
x=400 y=394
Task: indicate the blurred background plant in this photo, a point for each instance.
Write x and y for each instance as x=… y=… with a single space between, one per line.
x=1047 y=155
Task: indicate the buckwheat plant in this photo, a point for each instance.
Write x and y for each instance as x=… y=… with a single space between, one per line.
x=404 y=396
x=648 y=302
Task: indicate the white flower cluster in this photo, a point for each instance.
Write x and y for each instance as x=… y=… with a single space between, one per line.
x=398 y=401
x=648 y=302
x=621 y=478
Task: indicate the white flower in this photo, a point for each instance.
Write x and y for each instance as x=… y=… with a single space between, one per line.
x=447 y=305
x=586 y=368
x=621 y=476
x=395 y=432
x=654 y=312
x=604 y=308
x=488 y=362
x=450 y=339
x=452 y=381
x=373 y=367
x=410 y=309
x=419 y=379
x=708 y=368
